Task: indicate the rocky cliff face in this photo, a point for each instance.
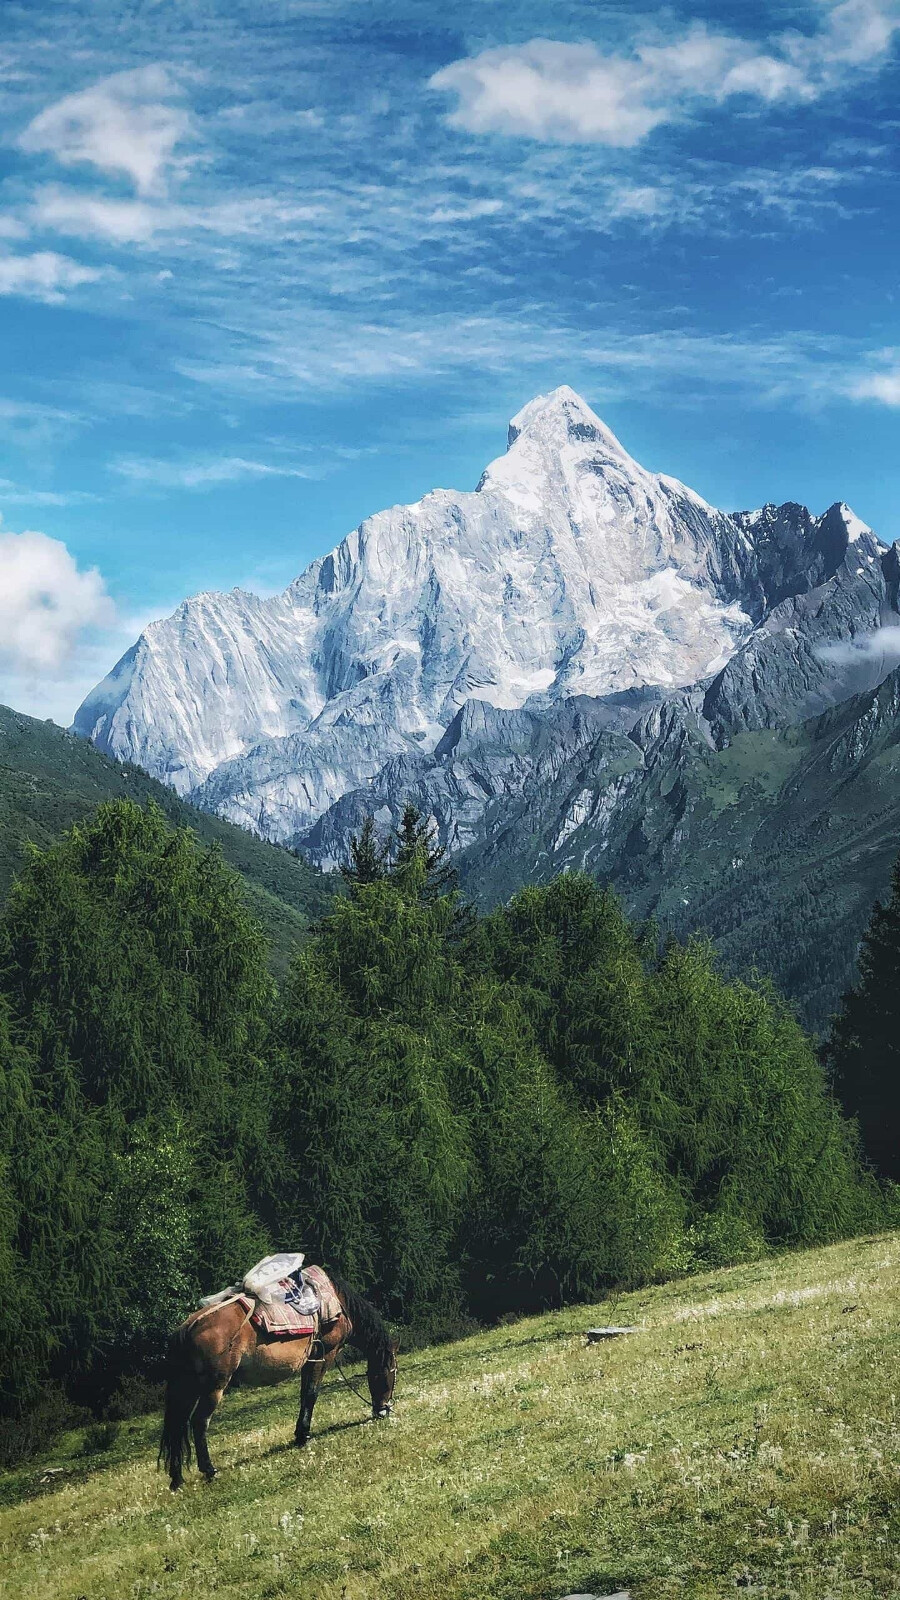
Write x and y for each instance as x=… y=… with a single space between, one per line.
x=527 y=655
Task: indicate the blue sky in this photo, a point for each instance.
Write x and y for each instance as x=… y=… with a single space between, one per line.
x=266 y=268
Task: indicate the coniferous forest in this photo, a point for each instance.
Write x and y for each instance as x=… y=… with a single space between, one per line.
x=466 y=1115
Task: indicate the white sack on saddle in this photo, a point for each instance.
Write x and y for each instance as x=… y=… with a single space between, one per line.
x=262 y=1281
x=220 y=1298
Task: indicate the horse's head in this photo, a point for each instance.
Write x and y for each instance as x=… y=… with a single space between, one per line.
x=382 y=1375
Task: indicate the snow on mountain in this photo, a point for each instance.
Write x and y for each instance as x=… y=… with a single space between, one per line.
x=569 y=570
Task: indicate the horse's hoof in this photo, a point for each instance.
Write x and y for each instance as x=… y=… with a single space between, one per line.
x=299 y=1443
x=175 y=1485
x=212 y=1473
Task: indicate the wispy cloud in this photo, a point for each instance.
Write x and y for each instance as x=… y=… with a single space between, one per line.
x=130 y=123
x=31 y=423
x=78 y=213
x=82 y=215
x=45 y=275
x=204 y=472
x=550 y=89
x=321 y=351
x=13 y=494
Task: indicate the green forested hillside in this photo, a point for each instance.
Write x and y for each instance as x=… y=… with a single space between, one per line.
x=466 y=1116
x=50 y=779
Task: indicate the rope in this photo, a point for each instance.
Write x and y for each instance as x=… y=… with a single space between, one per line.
x=240 y=1330
x=338 y=1367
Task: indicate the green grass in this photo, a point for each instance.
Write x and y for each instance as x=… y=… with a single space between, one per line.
x=746 y=1440
x=753 y=768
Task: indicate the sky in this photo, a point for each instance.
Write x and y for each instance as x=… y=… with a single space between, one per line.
x=266 y=268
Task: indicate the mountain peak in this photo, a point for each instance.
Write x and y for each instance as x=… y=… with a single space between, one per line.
x=854 y=524
x=570 y=571
x=559 y=415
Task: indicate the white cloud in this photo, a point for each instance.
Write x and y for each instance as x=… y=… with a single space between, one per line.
x=856 y=33
x=43 y=275
x=882 y=645
x=80 y=214
x=204 y=472
x=129 y=123
x=46 y=603
x=549 y=90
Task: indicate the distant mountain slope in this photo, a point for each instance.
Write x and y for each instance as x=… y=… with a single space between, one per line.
x=775 y=846
x=50 y=779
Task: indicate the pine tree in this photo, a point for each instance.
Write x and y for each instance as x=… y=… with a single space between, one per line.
x=863 y=1050
x=420 y=862
x=368 y=857
x=369 y=1057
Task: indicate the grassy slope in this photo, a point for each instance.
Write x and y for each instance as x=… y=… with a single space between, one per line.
x=49 y=779
x=746 y=1437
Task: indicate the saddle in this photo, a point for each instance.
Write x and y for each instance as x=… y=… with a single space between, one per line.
x=299 y=1305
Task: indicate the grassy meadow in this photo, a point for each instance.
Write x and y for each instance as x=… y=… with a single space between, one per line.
x=746 y=1440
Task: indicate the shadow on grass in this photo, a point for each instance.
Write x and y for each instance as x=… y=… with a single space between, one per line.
x=288 y=1447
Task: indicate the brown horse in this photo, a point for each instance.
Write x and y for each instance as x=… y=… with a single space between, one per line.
x=212 y=1345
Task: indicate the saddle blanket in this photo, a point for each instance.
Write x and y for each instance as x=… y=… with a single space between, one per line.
x=281 y=1320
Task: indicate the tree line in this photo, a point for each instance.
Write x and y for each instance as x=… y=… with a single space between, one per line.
x=466 y=1115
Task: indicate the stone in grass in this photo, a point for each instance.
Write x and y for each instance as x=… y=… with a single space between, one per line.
x=594 y=1335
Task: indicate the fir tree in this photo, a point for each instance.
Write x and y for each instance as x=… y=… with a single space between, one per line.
x=420 y=863
x=368 y=861
x=370 y=1057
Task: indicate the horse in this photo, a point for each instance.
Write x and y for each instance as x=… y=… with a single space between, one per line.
x=208 y=1349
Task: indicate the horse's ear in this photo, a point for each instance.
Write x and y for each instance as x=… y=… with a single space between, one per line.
x=395 y=1344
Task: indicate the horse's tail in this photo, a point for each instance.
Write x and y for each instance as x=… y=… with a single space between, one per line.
x=182 y=1394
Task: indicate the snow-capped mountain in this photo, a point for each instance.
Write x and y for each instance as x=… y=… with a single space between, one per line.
x=570 y=571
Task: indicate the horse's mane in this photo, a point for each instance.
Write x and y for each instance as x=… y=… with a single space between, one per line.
x=370 y=1331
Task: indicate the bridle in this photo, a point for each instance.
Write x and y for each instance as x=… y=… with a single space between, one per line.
x=391 y=1372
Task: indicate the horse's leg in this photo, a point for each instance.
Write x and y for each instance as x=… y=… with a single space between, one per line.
x=205 y=1407
x=310 y=1379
